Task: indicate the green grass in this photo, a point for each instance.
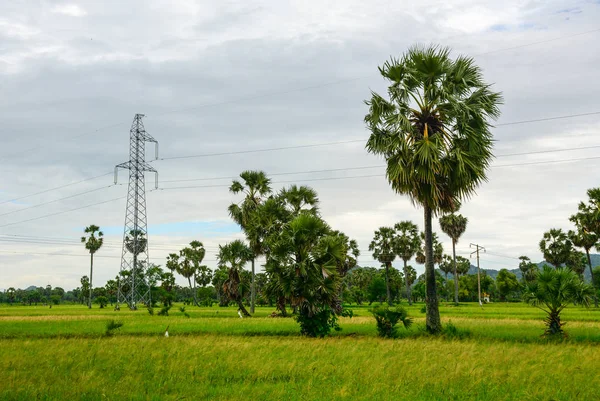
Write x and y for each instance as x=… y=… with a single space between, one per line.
x=498 y=353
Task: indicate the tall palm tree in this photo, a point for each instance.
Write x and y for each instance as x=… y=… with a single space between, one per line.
x=92 y=243
x=454 y=225
x=556 y=247
x=234 y=256
x=434 y=132
x=383 y=246
x=408 y=243
x=256 y=186
x=585 y=237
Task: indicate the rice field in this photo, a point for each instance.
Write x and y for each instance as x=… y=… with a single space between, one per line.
x=495 y=353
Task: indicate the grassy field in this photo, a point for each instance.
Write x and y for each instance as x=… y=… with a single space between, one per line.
x=496 y=354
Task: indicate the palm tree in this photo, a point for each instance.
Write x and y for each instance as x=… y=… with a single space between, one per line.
x=438 y=250
x=382 y=246
x=552 y=291
x=528 y=269
x=309 y=257
x=234 y=256
x=577 y=262
x=92 y=244
x=256 y=187
x=299 y=197
x=187 y=263
x=585 y=237
x=434 y=133
x=408 y=243
x=447 y=266
x=454 y=225
x=556 y=247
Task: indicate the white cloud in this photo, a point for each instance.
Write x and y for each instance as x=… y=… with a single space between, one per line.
x=72 y=10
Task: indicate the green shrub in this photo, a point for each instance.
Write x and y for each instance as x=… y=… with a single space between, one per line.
x=111 y=326
x=164 y=311
x=452 y=332
x=151 y=310
x=388 y=317
x=319 y=324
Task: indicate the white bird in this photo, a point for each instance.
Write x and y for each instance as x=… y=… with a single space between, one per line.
x=240 y=314
x=167 y=332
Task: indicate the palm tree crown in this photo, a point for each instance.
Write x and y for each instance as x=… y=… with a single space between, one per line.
x=434 y=129
x=556 y=247
x=93 y=242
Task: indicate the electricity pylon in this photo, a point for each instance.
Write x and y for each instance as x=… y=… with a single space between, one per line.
x=133 y=287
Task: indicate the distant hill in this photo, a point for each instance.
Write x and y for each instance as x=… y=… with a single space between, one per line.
x=494 y=273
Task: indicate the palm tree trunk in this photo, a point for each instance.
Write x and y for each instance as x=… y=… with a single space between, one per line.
x=455 y=272
x=252 y=290
x=432 y=319
x=242 y=308
x=387 y=283
x=587 y=252
x=91 y=272
x=406 y=283
x=195 y=293
x=281 y=306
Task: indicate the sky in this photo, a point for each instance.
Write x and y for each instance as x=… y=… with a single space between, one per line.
x=231 y=76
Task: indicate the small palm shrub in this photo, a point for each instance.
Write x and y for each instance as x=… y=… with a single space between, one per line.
x=111 y=326
x=164 y=311
x=319 y=324
x=387 y=318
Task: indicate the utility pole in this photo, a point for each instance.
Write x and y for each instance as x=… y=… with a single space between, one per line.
x=478 y=248
x=133 y=287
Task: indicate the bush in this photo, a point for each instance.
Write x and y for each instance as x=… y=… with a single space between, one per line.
x=111 y=326
x=452 y=332
x=151 y=310
x=164 y=311
x=387 y=318
x=319 y=324
x=102 y=301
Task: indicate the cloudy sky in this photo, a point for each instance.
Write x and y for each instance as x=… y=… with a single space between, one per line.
x=228 y=76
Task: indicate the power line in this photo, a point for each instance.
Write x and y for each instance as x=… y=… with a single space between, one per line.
x=548 y=119
x=57 y=200
x=539 y=42
x=202 y=155
x=549 y=151
x=62 y=212
x=547 y=162
x=55 y=188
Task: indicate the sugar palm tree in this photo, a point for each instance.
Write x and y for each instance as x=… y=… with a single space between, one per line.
x=556 y=247
x=234 y=256
x=454 y=225
x=434 y=132
x=256 y=186
x=528 y=269
x=585 y=237
x=447 y=266
x=300 y=198
x=552 y=291
x=383 y=248
x=408 y=243
x=438 y=250
x=93 y=242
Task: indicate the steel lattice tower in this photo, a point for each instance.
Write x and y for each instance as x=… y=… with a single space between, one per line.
x=133 y=287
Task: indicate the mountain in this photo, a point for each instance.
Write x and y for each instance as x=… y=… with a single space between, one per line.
x=494 y=273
